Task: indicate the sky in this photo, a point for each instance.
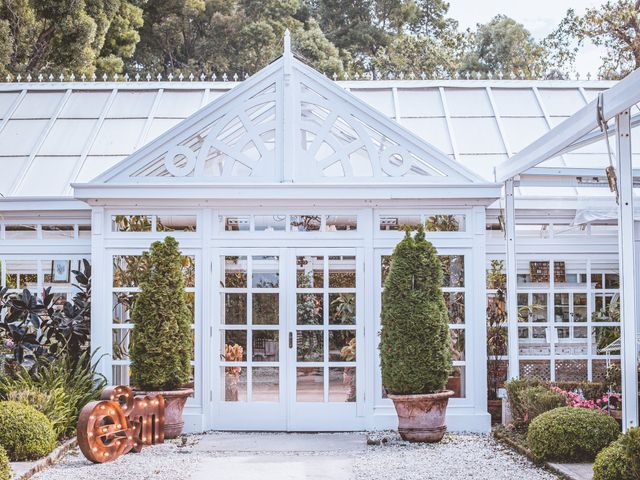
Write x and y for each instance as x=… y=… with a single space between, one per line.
x=540 y=17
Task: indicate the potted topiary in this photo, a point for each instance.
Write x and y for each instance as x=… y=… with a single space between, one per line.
x=414 y=340
x=161 y=342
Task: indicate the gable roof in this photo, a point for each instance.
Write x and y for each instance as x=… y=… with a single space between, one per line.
x=287 y=123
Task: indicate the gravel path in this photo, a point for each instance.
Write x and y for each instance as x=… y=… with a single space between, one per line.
x=457 y=457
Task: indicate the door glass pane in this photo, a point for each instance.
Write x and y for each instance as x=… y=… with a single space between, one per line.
x=453 y=270
x=342 y=384
x=234 y=345
x=310 y=346
x=309 y=384
x=235 y=309
x=265 y=345
x=579 y=307
x=310 y=272
x=342 y=272
x=265 y=272
x=266 y=308
x=235 y=384
x=265 y=384
x=343 y=308
x=235 y=272
x=561 y=308
x=310 y=308
x=342 y=345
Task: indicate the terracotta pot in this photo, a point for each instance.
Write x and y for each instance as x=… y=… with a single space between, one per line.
x=174 y=401
x=422 y=418
x=455 y=384
x=495 y=409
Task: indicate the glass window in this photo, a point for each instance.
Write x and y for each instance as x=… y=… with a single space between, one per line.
x=270 y=223
x=57 y=232
x=236 y=224
x=20 y=232
x=399 y=222
x=22 y=274
x=84 y=232
x=176 y=223
x=341 y=223
x=131 y=223
x=453 y=270
x=305 y=223
x=445 y=223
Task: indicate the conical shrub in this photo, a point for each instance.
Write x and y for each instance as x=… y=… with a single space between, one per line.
x=161 y=340
x=414 y=341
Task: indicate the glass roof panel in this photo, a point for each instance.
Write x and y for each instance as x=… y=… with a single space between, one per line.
x=561 y=101
x=432 y=130
x=10 y=167
x=117 y=137
x=19 y=136
x=516 y=102
x=520 y=132
x=379 y=98
x=179 y=103
x=477 y=135
x=48 y=176
x=131 y=104
x=94 y=166
x=38 y=105
x=482 y=164
x=85 y=104
x=420 y=102
x=468 y=102
x=159 y=126
x=215 y=94
x=67 y=137
x=592 y=93
x=6 y=101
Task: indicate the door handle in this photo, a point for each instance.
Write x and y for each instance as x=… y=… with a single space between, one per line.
x=290 y=339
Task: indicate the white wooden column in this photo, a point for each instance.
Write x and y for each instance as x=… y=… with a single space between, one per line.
x=101 y=292
x=512 y=296
x=628 y=263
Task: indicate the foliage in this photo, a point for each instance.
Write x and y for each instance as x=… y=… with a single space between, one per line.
x=83 y=36
x=613 y=26
x=571 y=434
x=5 y=467
x=502 y=44
x=38 y=328
x=496 y=326
x=62 y=386
x=515 y=395
x=540 y=399
x=612 y=463
x=161 y=341
x=631 y=443
x=588 y=390
x=414 y=340
x=25 y=433
x=576 y=399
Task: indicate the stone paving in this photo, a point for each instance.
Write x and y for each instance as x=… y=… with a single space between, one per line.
x=281 y=456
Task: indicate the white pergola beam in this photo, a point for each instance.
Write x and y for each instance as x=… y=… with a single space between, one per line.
x=512 y=294
x=628 y=263
x=615 y=100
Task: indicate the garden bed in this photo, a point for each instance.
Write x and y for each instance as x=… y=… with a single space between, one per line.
x=25 y=470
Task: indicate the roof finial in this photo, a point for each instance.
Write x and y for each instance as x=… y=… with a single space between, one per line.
x=287 y=43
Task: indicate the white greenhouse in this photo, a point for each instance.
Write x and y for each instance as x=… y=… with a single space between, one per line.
x=287 y=192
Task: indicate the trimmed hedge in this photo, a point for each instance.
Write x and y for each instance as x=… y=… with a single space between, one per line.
x=571 y=434
x=612 y=463
x=25 y=433
x=537 y=400
x=5 y=468
x=415 y=354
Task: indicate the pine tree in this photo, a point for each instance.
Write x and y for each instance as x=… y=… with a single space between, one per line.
x=161 y=338
x=414 y=341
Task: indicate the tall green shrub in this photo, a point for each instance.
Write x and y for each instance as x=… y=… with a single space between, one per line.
x=414 y=341
x=161 y=338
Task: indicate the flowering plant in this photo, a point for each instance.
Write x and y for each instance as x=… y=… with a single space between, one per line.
x=576 y=399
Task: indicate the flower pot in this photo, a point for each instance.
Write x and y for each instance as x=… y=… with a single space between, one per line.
x=422 y=418
x=174 y=401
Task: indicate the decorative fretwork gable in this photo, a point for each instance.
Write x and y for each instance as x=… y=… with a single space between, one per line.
x=288 y=123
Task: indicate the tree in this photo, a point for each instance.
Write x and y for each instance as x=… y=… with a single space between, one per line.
x=67 y=36
x=161 y=340
x=614 y=26
x=504 y=45
x=414 y=341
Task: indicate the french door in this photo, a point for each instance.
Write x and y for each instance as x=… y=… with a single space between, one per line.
x=290 y=340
